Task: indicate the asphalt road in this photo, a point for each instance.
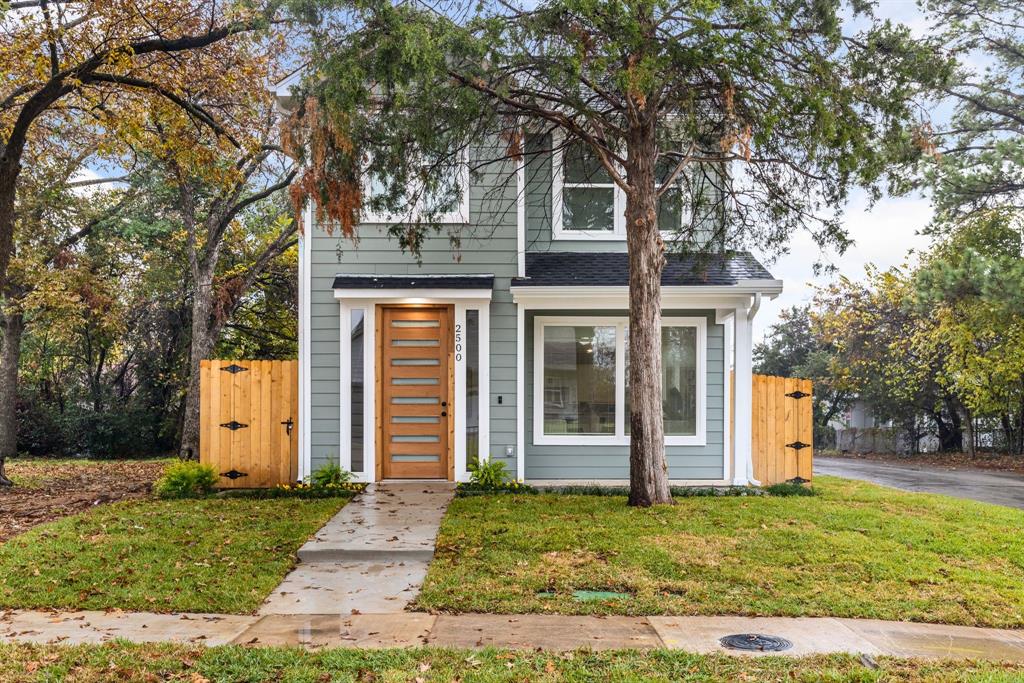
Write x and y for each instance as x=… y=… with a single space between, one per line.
x=1001 y=488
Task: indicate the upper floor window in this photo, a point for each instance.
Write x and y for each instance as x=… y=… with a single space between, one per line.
x=587 y=204
x=446 y=203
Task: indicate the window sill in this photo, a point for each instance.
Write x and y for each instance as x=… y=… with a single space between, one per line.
x=595 y=440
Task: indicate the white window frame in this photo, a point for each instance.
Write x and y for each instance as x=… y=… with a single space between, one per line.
x=619 y=438
x=558 y=186
x=459 y=215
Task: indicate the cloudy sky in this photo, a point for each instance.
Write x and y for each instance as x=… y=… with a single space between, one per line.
x=884 y=234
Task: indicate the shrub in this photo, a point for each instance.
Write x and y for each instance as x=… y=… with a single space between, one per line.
x=332 y=473
x=790 y=489
x=186 y=480
x=487 y=474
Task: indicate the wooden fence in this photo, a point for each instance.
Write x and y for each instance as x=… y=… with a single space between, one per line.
x=249 y=414
x=783 y=429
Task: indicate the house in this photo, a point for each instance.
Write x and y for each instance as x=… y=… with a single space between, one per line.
x=515 y=350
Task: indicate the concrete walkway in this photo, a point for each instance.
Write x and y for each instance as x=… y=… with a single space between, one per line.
x=1000 y=488
x=371 y=557
x=529 y=631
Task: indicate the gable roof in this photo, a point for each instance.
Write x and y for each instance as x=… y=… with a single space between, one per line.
x=597 y=269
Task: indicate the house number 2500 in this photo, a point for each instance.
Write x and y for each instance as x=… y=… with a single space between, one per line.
x=458 y=342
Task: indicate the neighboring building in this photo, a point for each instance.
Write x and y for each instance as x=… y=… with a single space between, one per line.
x=517 y=349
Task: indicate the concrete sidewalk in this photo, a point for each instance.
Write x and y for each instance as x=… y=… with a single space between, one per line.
x=370 y=557
x=524 y=631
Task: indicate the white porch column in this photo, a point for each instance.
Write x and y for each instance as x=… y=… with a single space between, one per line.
x=743 y=399
x=520 y=391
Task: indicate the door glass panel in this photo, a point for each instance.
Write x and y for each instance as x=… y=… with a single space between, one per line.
x=356 y=392
x=415 y=438
x=415 y=342
x=414 y=400
x=415 y=419
x=579 y=380
x=415 y=323
x=415 y=361
x=415 y=458
x=420 y=381
x=472 y=386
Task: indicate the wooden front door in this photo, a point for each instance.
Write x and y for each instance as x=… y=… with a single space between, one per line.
x=415 y=402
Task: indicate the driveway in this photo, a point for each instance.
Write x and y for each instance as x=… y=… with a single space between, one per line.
x=1000 y=488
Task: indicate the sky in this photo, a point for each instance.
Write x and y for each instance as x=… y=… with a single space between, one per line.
x=884 y=235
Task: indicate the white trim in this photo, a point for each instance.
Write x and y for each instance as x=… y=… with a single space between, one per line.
x=727 y=397
x=616 y=296
x=414 y=296
x=305 y=388
x=368 y=300
x=345 y=378
x=484 y=391
x=520 y=391
x=619 y=438
x=624 y=482
x=742 y=404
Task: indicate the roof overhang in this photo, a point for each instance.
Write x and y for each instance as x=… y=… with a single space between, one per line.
x=414 y=287
x=709 y=296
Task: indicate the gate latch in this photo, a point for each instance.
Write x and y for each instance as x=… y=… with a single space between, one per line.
x=288 y=425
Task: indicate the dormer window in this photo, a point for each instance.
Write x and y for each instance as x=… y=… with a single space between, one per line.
x=588 y=205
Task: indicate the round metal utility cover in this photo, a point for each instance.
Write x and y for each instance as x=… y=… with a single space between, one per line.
x=755 y=642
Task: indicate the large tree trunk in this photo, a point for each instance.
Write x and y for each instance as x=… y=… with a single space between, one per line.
x=648 y=471
x=204 y=337
x=11 y=328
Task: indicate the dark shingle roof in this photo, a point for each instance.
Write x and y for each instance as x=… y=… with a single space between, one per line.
x=582 y=269
x=481 y=281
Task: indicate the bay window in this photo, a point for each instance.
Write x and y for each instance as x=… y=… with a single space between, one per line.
x=581 y=380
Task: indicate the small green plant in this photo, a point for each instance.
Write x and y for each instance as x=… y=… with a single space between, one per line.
x=487 y=474
x=186 y=480
x=332 y=473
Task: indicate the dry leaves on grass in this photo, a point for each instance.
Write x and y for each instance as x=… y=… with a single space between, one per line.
x=56 y=489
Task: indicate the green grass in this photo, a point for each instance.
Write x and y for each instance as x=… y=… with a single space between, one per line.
x=854 y=550
x=125 y=662
x=211 y=555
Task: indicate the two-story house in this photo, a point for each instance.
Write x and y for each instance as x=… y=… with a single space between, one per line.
x=514 y=345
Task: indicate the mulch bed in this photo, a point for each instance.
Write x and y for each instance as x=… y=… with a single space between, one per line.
x=949 y=461
x=47 y=491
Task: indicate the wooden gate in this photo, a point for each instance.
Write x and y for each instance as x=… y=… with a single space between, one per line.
x=783 y=429
x=248 y=421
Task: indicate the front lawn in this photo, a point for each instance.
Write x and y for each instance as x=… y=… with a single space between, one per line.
x=855 y=550
x=210 y=555
x=126 y=662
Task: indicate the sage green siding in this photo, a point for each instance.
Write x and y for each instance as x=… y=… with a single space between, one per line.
x=488 y=245
x=612 y=462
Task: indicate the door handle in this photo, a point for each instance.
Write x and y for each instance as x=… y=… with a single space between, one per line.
x=444 y=404
x=444 y=413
